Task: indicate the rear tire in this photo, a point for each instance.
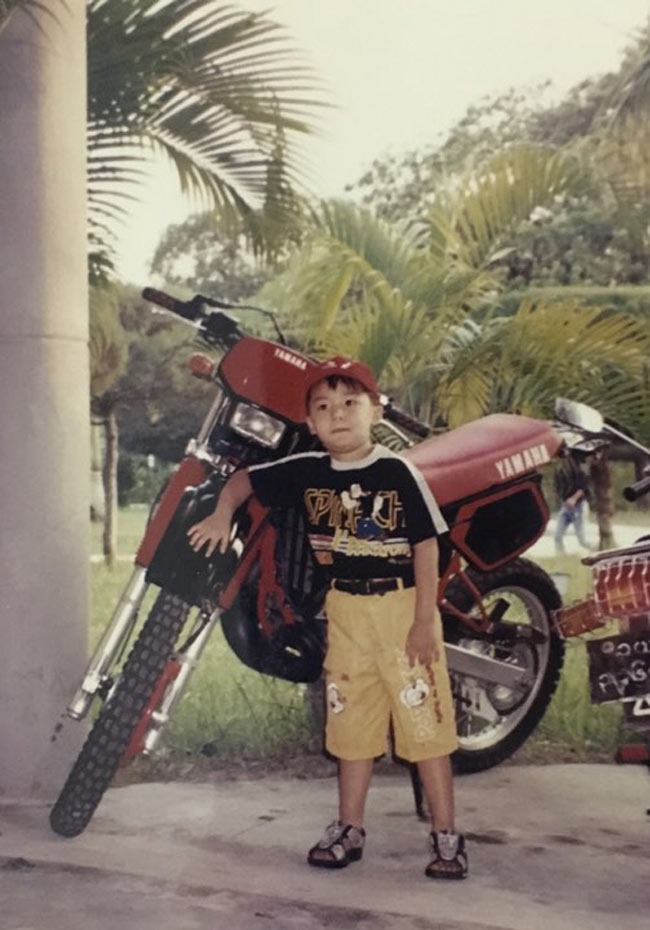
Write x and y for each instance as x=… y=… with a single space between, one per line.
x=112 y=730
x=492 y=721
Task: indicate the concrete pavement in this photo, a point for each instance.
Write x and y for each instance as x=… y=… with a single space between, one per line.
x=560 y=847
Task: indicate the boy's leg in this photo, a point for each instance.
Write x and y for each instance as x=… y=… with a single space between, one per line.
x=425 y=732
x=343 y=840
x=358 y=714
x=449 y=856
x=354 y=781
x=437 y=781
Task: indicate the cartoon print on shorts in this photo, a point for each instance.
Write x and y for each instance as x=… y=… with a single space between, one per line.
x=335 y=700
x=415 y=693
x=367 y=526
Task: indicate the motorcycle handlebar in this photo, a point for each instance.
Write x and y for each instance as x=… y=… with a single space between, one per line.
x=634 y=491
x=187 y=309
x=405 y=420
x=216 y=328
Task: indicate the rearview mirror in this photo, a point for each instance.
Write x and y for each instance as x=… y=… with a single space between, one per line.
x=581 y=415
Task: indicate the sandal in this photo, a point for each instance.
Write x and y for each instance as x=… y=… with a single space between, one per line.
x=339 y=846
x=449 y=856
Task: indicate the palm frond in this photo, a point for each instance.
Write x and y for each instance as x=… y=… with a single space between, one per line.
x=469 y=224
x=545 y=350
x=215 y=89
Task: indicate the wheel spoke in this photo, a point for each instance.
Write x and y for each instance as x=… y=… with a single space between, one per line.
x=493 y=719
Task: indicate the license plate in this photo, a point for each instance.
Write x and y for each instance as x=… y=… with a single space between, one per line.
x=619 y=667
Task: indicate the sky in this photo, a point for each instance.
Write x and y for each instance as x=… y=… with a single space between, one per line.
x=400 y=73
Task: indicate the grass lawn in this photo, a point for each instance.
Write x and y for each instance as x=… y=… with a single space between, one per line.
x=230 y=711
x=227 y=709
x=131 y=522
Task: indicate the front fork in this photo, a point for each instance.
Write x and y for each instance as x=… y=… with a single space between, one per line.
x=113 y=639
x=97 y=680
x=172 y=682
x=170 y=687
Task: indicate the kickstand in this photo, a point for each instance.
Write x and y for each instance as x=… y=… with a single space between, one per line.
x=418 y=794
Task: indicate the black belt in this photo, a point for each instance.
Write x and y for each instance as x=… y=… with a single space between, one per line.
x=371 y=585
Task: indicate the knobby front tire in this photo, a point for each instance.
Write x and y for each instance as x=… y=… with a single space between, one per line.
x=112 y=730
x=493 y=721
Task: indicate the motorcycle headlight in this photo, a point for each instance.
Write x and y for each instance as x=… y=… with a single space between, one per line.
x=255 y=424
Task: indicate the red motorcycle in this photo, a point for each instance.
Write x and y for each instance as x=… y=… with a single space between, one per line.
x=503 y=651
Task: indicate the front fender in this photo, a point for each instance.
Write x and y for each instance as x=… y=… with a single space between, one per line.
x=175 y=566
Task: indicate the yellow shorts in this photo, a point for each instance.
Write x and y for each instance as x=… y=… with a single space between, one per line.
x=369 y=681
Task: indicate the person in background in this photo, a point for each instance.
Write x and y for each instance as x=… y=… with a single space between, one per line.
x=572 y=488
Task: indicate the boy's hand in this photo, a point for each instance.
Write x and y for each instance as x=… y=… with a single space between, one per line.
x=421 y=645
x=214 y=530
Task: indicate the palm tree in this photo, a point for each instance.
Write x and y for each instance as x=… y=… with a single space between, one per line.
x=522 y=362
x=392 y=296
x=215 y=90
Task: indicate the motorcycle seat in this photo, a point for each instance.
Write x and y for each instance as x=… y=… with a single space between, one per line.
x=483 y=454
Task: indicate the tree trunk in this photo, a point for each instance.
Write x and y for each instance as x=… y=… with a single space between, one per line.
x=603 y=499
x=110 y=485
x=97 y=503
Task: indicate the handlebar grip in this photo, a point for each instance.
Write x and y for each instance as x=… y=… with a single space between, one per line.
x=634 y=491
x=400 y=418
x=186 y=309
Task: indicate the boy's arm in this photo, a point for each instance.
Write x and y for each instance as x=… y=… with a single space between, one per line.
x=420 y=642
x=215 y=529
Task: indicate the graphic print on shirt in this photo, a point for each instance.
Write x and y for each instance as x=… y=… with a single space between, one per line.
x=355 y=498
x=363 y=523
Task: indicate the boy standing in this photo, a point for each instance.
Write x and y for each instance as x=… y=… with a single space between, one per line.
x=372 y=524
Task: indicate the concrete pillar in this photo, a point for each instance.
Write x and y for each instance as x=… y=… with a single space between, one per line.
x=44 y=417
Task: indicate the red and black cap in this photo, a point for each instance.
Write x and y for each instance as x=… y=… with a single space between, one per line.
x=341 y=367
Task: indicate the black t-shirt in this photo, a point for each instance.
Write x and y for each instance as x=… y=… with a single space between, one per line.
x=363 y=517
x=569 y=478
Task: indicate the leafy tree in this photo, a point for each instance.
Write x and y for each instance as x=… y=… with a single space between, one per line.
x=160 y=404
x=397 y=186
x=590 y=238
x=197 y=255
x=141 y=391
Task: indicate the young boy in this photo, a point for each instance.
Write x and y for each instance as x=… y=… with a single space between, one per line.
x=372 y=524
